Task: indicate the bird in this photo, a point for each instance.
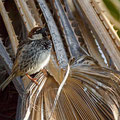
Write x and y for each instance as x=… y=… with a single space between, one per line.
x=32 y=56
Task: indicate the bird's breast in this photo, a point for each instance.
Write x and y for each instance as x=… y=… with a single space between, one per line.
x=39 y=64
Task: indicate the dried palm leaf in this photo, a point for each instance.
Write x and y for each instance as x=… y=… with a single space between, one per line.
x=90 y=92
x=99 y=30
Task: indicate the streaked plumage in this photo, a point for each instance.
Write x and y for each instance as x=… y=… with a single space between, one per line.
x=31 y=57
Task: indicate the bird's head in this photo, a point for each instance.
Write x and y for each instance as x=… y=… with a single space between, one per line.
x=37 y=33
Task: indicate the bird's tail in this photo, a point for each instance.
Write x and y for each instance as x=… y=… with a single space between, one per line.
x=7 y=81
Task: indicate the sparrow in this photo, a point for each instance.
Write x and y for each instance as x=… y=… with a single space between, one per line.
x=32 y=56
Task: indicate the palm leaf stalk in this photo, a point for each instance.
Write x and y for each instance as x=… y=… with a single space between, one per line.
x=4 y=55
x=98 y=28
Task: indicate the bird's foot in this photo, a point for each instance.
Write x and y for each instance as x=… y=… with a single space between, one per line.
x=44 y=72
x=32 y=79
x=35 y=80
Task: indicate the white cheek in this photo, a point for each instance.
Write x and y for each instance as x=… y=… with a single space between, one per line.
x=38 y=36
